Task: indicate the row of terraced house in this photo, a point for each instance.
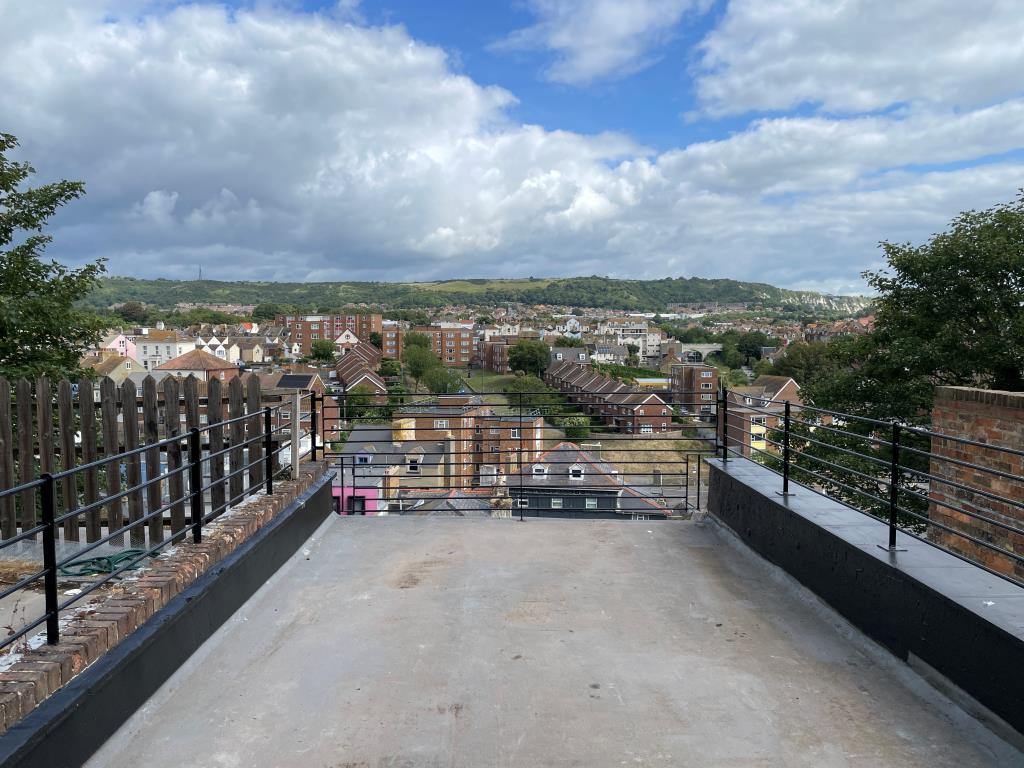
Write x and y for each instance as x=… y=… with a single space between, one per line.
x=622 y=407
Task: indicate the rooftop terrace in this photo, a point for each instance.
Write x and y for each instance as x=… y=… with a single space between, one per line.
x=404 y=641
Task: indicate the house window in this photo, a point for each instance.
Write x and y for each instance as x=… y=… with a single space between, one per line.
x=412 y=466
x=556 y=503
x=748 y=400
x=707 y=397
x=494 y=431
x=757 y=420
x=362 y=459
x=576 y=471
x=706 y=374
x=440 y=423
x=706 y=385
x=514 y=432
x=591 y=503
x=314 y=335
x=540 y=470
x=583 y=356
x=522 y=503
x=558 y=356
x=357 y=504
x=646 y=429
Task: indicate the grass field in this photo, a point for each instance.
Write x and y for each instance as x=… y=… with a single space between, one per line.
x=485 y=381
x=479 y=286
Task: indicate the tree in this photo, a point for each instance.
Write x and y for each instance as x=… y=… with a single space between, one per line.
x=530 y=391
x=568 y=341
x=442 y=381
x=529 y=356
x=377 y=340
x=414 y=339
x=389 y=368
x=951 y=310
x=267 y=311
x=763 y=368
x=418 y=360
x=576 y=427
x=749 y=344
x=322 y=351
x=133 y=312
x=41 y=329
x=805 y=362
x=633 y=358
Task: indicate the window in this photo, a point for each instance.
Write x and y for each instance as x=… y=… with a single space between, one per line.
x=748 y=400
x=582 y=356
x=706 y=374
x=357 y=504
x=514 y=432
x=362 y=459
x=127 y=365
x=556 y=503
x=558 y=356
x=576 y=471
x=412 y=466
x=646 y=429
x=591 y=503
x=664 y=412
x=540 y=469
x=494 y=431
x=707 y=397
x=440 y=423
x=757 y=420
x=314 y=335
x=706 y=385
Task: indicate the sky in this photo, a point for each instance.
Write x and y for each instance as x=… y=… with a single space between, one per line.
x=407 y=140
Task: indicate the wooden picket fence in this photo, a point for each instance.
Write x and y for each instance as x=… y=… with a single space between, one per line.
x=50 y=428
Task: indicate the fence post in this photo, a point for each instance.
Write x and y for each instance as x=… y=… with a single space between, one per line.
x=296 y=432
x=268 y=452
x=522 y=468
x=724 y=414
x=894 y=484
x=195 y=482
x=48 y=497
x=785 y=451
x=312 y=424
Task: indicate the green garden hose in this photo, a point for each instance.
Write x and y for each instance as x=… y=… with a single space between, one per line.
x=96 y=566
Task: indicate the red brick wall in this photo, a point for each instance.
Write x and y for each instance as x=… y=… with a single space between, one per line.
x=995 y=418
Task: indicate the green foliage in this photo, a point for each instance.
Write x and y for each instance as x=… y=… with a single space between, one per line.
x=418 y=360
x=764 y=368
x=322 y=351
x=627 y=373
x=441 y=381
x=951 y=310
x=376 y=339
x=389 y=368
x=576 y=427
x=531 y=392
x=529 y=356
x=806 y=362
x=268 y=311
x=734 y=377
x=133 y=312
x=414 y=339
x=574 y=291
x=568 y=341
x=361 y=402
x=749 y=344
x=41 y=330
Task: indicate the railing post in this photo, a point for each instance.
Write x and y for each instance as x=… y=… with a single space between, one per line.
x=894 y=484
x=785 y=451
x=686 y=485
x=296 y=432
x=724 y=415
x=268 y=452
x=522 y=467
x=312 y=424
x=195 y=482
x=48 y=497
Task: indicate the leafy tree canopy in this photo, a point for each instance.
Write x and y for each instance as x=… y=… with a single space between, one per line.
x=322 y=351
x=41 y=330
x=529 y=356
x=442 y=381
x=414 y=339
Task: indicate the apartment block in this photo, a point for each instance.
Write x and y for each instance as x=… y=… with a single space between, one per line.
x=305 y=329
x=453 y=343
x=695 y=387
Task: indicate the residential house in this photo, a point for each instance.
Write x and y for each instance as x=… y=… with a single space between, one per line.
x=200 y=364
x=695 y=387
x=756 y=410
x=160 y=346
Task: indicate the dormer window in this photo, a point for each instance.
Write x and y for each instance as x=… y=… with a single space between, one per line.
x=576 y=471
x=748 y=400
x=539 y=469
x=362 y=459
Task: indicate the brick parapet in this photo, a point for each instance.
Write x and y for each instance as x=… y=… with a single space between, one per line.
x=995 y=419
x=100 y=625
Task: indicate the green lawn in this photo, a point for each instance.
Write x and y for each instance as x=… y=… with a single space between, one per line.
x=485 y=381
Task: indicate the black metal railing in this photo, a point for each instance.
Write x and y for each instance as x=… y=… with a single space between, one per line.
x=475 y=453
x=908 y=476
x=253 y=455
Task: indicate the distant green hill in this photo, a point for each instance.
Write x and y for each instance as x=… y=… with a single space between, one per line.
x=640 y=295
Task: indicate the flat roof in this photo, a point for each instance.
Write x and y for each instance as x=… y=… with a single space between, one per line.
x=419 y=641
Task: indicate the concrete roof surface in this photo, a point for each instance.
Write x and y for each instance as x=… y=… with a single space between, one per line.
x=426 y=641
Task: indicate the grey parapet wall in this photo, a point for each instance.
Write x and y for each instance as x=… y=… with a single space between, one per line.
x=920 y=602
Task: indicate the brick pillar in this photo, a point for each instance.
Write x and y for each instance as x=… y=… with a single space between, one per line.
x=985 y=416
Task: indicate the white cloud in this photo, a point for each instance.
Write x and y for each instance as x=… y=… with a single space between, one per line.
x=270 y=144
x=595 y=39
x=862 y=55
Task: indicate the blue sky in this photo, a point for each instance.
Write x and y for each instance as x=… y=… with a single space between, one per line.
x=402 y=140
